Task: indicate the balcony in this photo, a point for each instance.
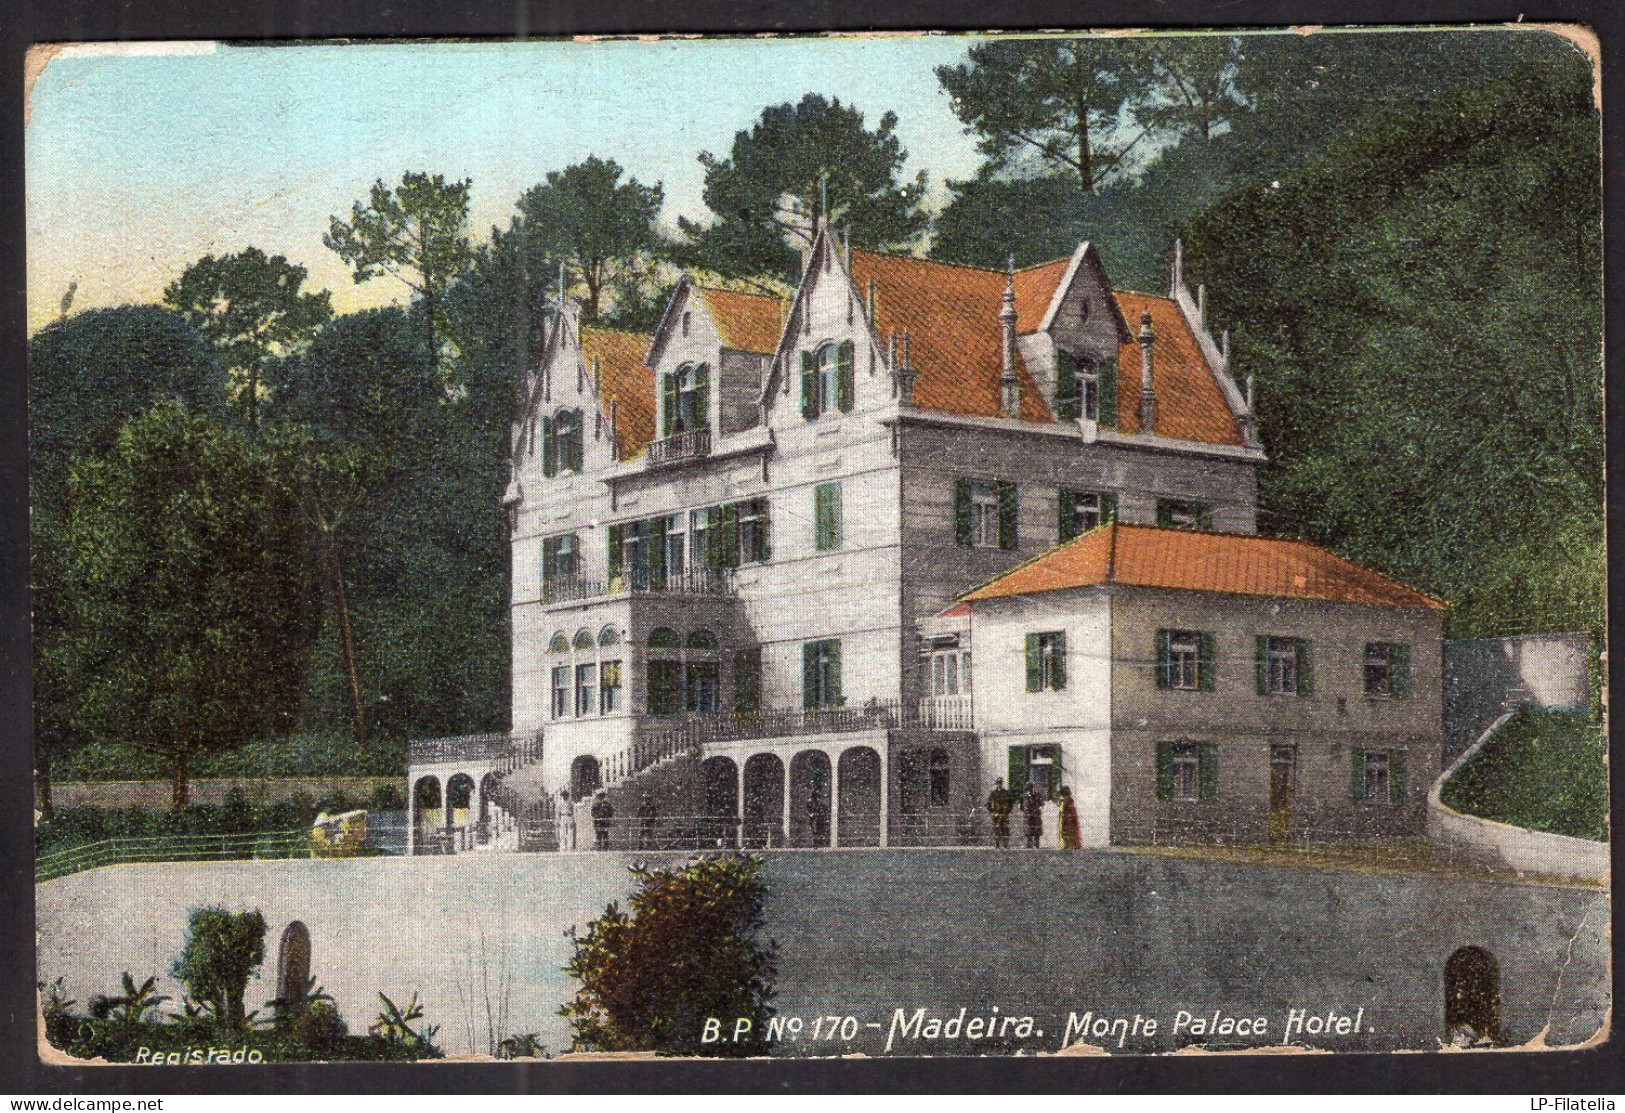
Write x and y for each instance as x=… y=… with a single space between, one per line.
x=714 y=582
x=502 y=749
x=948 y=713
x=679 y=447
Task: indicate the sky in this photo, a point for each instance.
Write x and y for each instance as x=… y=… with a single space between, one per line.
x=142 y=159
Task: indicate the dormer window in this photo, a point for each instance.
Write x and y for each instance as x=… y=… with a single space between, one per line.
x=685 y=403
x=1084 y=388
x=826 y=380
x=562 y=443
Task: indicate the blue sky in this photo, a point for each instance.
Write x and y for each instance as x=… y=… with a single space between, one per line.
x=139 y=163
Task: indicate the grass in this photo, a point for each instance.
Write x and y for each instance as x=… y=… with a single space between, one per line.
x=1407 y=857
x=1545 y=771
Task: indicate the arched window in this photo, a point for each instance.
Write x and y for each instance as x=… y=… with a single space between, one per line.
x=583 y=639
x=685 y=398
x=826 y=380
x=702 y=639
x=293 y=965
x=664 y=637
x=567 y=432
x=609 y=636
x=559 y=643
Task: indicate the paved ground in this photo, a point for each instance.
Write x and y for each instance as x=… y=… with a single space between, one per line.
x=864 y=933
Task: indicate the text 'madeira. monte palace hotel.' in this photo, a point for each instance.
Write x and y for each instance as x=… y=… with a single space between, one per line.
x=816 y=571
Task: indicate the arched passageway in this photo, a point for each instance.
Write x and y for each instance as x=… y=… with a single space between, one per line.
x=859 y=786
x=459 y=798
x=1472 y=997
x=293 y=963
x=585 y=777
x=488 y=792
x=426 y=800
x=764 y=802
x=809 y=799
x=719 y=823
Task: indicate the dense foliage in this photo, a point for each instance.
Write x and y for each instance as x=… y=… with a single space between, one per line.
x=1546 y=770
x=685 y=949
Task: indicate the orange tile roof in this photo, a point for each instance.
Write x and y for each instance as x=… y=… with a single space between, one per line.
x=746 y=322
x=1190 y=404
x=626 y=381
x=951 y=314
x=1035 y=289
x=1185 y=560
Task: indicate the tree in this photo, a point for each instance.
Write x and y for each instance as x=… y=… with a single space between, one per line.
x=1067 y=102
x=249 y=306
x=1193 y=84
x=184 y=549
x=223 y=950
x=801 y=166
x=417 y=233
x=686 y=950
x=585 y=215
x=989 y=220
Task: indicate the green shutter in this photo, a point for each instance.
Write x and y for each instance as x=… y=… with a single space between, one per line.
x=1007 y=515
x=809 y=675
x=726 y=534
x=1018 y=770
x=1204 y=661
x=668 y=403
x=657 y=553
x=832 y=654
x=823 y=534
x=963 y=532
x=1207 y=770
x=1165 y=770
x=1164 y=653
x=1108 y=392
x=1398 y=790
x=702 y=395
x=1108 y=507
x=809 y=385
x=548 y=551
x=617 y=550
x=1261 y=664
x=1066 y=386
x=1066 y=528
x=1058 y=671
x=1306 y=669
x=578 y=442
x=1035 y=673
x=1057 y=776
x=1165 y=513
x=844 y=387
x=549 y=448
x=764 y=531
x=1356 y=775
x=1399 y=671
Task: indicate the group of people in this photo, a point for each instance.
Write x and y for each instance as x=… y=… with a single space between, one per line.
x=1001 y=803
x=603 y=817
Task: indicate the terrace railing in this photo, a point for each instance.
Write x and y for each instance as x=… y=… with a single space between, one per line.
x=464 y=747
x=693 y=581
x=680 y=446
x=302 y=843
x=938 y=714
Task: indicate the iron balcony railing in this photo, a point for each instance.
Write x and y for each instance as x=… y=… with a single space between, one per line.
x=467 y=747
x=680 y=446
x=693 y=581
x=935 y=714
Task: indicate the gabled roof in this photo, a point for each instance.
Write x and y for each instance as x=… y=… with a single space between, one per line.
x=951 y=314
x=1186 y=560
x=1190 y=403
x=623 y=380
x=746 y=322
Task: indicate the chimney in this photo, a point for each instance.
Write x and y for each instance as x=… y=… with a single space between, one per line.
x=1009 y=393
x=1249 y=419
x=1148 y=397
x=1176 y=270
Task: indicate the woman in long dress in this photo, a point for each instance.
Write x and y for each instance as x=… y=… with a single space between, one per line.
x=1071 y=833
x=565 y=824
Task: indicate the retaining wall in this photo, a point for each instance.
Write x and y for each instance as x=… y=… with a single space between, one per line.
x=1484 y=677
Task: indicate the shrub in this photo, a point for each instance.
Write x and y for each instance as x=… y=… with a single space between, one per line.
x=687 y=950
x=223 y=950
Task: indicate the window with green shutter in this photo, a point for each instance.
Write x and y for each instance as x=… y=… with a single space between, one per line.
x=809 y=386
x=845 y=388
x=1018 y=770
x=549 y=448
x=1008 y=507
x=617 y=551
x=1387 y=667
x=1285 y=667
x=821 y=675
x=1082 y=511
x=1184 y=660
x=1108 y=392
x=1108 y=507
x=1207 y=760
x=827 y=517
x=1046 y=662
x=1184 y=514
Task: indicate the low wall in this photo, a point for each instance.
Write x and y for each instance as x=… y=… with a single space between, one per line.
x=1519 y=848
x=212 y=790
x=1484 y=677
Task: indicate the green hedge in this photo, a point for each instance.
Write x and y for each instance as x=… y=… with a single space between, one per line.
x=1545 y=771
x=296 y=755
x=121 y=1042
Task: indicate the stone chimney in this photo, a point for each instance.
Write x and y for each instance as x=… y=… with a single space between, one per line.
x=1009 y=388
x=1148 y=397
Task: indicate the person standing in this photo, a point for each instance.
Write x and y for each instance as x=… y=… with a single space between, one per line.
x=1033 y=805
x=564 y=824
x=1071 y=832
x=647 y=813
x=602 y=812
x=999 y=805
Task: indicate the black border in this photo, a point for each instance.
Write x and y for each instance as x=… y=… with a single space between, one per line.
x=23 y=22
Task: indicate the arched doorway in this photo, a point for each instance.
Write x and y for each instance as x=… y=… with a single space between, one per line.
x=721 y=778
x=859 y=787
x=293 y=963
x=585 y=778
x=426 y=816
x=809 y=798
x=1472 y=997
x=488 y=793
x=764 y=801
x=459 y=797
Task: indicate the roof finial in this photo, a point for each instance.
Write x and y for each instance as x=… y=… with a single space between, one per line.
x=1009 y=388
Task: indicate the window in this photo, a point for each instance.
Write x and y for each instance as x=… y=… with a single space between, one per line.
x=1187 y=770
x=559 y=643
x=561 y=559
x=1387 y=670
x=685 y=399
x=1082 y=511
x=562 y=443
x=672 y=528
x=583 y=639
x=985 y=514
x=827 y=517
x=826 y=380
x=686 y=316
x=664 y=637
x=1376 y=776
x=702 y=640
x=1185 y=660
x=1046 y=662
x=702 y=688
x=1035 y=765
x=586 y=689
x=608 y=636
x=752 y=531
x=748 y=681
x=821 y=675
x=950 y=672
x=665 y=687
x=1284 y=667
x=941 y=768
x=609 y=687
x=561 y=691
x=1077 y=387
x=1184 y=514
